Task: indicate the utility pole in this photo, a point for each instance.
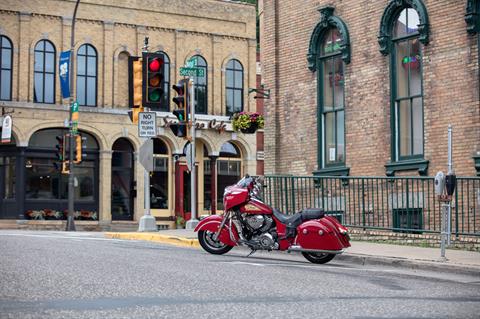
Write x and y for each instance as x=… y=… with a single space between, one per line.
x=71 y=138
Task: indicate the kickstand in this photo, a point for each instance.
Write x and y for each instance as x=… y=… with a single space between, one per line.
x=251 y=253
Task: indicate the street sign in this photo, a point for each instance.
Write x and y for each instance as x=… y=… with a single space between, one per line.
x=147 y=124
x=188 y=71
x=191 y=63
x=74 y=111
x=145 y=155
x=6 y=129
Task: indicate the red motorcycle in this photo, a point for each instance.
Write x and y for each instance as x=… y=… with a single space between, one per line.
x=248 y=221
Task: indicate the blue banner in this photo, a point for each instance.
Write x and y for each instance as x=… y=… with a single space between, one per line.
x=64 y=66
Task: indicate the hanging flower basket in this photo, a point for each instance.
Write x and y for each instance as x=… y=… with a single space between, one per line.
x=247 y=123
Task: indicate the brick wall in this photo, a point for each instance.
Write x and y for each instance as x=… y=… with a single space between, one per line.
x=450 y=80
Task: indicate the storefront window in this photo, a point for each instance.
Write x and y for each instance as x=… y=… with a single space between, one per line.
x=44 y=181
x=229 y=167
x=159 y=176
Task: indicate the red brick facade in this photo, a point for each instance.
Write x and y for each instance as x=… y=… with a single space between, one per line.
x=450 y=87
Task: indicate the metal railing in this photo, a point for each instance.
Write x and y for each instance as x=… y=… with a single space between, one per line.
x=400 y=204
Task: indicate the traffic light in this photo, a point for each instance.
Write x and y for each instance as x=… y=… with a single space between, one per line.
x=153 y=80
x=135 y=88
x=80 y=146
x=60 y=153
x=181 y=112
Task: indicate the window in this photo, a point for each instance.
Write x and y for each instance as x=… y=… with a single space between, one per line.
x=44 y=72
x=407 y=88
x=328 y=53
x=87 y=75
x=165 y=104
x=408 y=220
x=6 y=62
x=332 y=101
x=201 y=93
x=403 y=30
x=229 y=169
x=234 y=87
x=159 y=176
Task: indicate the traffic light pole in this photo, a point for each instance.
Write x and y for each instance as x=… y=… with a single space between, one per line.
x=71 y=177
x=193 y=222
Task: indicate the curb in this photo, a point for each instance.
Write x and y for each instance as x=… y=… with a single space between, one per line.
x=155 y=237
x=358 y=259
x=414 y=264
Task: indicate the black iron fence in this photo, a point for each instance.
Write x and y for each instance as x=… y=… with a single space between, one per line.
x=399 y=204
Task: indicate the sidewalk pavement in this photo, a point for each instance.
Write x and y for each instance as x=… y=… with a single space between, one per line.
x=361 y=253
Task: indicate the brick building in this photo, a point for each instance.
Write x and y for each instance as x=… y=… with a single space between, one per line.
x=221 y=34
x=368 y=88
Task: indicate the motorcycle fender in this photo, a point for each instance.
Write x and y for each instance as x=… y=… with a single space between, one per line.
x=319 y=234
x=212 y=222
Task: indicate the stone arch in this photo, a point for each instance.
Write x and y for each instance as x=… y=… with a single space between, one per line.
x=101 y=140
x=327 y=21
x=391 y=12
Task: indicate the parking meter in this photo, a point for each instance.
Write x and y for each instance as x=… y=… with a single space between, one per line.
x=450 y=183
x=439 y=183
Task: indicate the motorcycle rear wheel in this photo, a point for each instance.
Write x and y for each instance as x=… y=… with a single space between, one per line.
x=216 y=247
x=318 y=258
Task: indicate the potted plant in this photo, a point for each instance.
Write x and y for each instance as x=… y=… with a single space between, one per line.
x=247 y=122
x=180 y=222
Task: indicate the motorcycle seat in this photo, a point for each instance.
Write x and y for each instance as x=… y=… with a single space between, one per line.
x=292 y=221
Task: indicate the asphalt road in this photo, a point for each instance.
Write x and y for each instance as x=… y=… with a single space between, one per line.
x=83 y=275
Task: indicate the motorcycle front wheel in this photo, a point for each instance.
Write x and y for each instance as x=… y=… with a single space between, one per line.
x=216 y=247
x=318 y=258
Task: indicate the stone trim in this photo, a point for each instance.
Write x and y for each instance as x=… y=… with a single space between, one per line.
x=391 y=12
x=327 y=21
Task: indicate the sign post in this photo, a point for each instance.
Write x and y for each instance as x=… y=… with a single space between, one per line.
x=193 y=222
x=147 y=128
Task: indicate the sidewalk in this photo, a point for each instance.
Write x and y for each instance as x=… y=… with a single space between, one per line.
x=363 y=253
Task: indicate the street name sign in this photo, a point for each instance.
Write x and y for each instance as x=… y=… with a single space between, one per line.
x=187 y=71
x=147 y=124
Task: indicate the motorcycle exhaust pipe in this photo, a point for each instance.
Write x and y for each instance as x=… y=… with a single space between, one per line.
x=321 y=251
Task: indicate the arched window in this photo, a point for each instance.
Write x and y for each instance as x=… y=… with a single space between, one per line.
x=229 y=169
x=87 y=75
x=234 y=87
x=165 y=104
x=403 y=30
x=6 y=62
x=44 y=72
x=329 y=52
x=201 y=92
x=332 y=104
x=408 y=95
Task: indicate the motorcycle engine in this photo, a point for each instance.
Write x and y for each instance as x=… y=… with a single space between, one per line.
x=263 y=235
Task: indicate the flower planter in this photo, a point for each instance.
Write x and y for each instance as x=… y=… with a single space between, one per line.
x=250 y=130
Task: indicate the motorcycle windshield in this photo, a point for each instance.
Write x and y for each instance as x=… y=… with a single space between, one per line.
x=244 y=182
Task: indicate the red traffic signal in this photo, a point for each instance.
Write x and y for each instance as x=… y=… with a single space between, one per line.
x=153 y=80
